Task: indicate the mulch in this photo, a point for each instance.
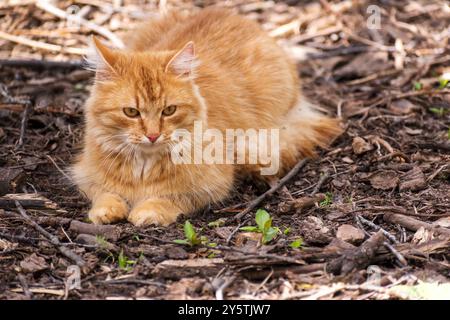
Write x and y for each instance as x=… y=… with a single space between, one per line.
x=369 y=214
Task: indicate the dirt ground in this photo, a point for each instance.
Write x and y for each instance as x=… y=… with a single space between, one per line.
x=389 y=171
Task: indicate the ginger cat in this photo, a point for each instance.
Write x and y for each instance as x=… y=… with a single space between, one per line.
x=213 y=67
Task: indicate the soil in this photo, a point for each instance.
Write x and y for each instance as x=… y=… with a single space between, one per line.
x=390 y=169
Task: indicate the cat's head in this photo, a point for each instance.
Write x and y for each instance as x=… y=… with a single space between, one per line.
x=140 y=98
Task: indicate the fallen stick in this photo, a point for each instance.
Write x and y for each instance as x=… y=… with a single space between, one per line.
x=109 y=232
x=413 y=224
x=95 y=242
x=23 y=124
x=253 y=204
x=50 y=8
x=41 y=45
x=41 y=64
x=28 y=201
x=357 y=259
x=53 y=239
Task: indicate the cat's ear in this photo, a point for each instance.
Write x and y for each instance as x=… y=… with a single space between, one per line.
x=183 y=63
x=101 y=59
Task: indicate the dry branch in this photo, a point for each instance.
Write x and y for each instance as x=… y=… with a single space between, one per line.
x=413 y=224
x=272 y=190
x=359 y=258
x=41 y=45
x=47 y=6
x=28 y=201
x=53 y=239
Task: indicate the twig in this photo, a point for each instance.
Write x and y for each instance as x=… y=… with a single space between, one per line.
x=45 y=64
x=23 y=124
x=253 y=204
x=376 y=227
x=24 y=285
x=413 y=224
x=47 y=6
x=59 y=169
x=397 y=254
x=223 y=286
x=324 y=177
x=41 y=45
x=53 y=239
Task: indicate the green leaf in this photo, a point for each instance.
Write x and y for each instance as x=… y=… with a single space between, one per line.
x=438 y=111
x=443 y=83
x=181 y=241
x=249 y=228
x=261 y=218
x=417 y=86
x=269 y=235
x=327 y=201
x=212 y=244
x=286 y=231
x=190 y=233
x=217 y=223
x=296 y=243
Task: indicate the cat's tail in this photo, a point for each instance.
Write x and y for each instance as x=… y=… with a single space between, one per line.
x=303 y=130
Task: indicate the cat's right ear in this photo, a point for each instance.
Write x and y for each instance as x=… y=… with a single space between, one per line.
x=101 y=59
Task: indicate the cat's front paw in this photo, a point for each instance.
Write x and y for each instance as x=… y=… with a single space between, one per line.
x=157 y=212
x=108 y=209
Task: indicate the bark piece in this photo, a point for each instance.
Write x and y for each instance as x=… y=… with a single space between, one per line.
x=108 y=231
x=384 y=180
x=349 y=233
x=179 y=269
x=357 y=259
x=412 y=180
x=33 y=263
x=95 y=241
x=11 y=180
x=360 y=146
x=28 y=201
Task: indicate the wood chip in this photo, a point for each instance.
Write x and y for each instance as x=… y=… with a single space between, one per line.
x=349 y=233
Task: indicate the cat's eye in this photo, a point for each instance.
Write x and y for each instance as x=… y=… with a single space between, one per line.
x=131 y=112
x=170 y=110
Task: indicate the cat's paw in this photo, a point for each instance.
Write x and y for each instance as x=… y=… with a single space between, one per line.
x=109 y=209
x=157 y=212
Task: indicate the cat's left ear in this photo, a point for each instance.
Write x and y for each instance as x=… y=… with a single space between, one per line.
x=183 y=63
x=101 y=59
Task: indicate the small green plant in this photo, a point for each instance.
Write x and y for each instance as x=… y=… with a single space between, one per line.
x=217 y=223
x=264 y=226
x=286 y=231
x=443 y=83
x=101 y=241
x=297 y=243
x=327 y=201
x=438 y=111
x=417 y=86
x=191 y=237
x=124 y=262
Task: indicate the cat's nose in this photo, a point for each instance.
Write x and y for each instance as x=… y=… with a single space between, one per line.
x=153 y=137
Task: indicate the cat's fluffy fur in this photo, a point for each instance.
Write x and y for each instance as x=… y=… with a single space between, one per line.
x=216 y=67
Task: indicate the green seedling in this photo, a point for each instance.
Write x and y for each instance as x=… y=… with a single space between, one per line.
x=124 y=262
x=443 y=83
x=297 y=243
x=438 y=111
x=264 y=226
x=327 y=201
x=417 y=86
x=191 y=236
